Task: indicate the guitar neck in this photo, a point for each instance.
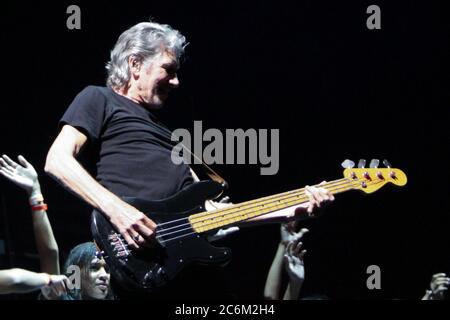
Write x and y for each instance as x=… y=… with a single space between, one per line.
x=212 y=220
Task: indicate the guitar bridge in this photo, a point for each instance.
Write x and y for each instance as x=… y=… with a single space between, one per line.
x=119 y=246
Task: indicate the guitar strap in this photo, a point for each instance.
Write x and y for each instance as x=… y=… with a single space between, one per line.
x=208 y=170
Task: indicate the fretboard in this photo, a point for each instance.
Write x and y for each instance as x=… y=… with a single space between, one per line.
x=207 y=221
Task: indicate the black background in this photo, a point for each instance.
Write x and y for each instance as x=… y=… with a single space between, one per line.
x=311 y=69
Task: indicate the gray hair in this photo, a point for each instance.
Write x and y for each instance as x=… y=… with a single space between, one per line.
x=144 y=41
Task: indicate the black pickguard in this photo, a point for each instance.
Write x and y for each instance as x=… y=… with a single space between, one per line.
x=152 y=268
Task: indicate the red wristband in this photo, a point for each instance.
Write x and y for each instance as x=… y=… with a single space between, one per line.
x=40 y=207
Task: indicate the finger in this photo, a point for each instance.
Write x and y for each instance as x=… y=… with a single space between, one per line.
x=66 y=284
x=442 y=288
x=128 y=238
x=9 y=161
x=437 y=275
x=46 y=291
x=231 y=230
x=308 y=192
x=8 y=170
x=138 y=238
x=441 y=282
x=297 y=249
x=23 y=161
x=324 y=190
x=317 y=193
x=56 y=288
x=5 y=165
x=289 y=248
x=60 y=287
x=324 y=194
x=54 y=291
x=301 y=233
x=149 y=223
x=225 y=199
x=302 y=254
x=313 y=200
x=312 y=205
x=143 y=231
x=328 y=193
x=287 y=260
x=6 y=173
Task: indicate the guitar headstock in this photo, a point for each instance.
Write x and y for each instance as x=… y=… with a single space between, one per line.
x=371 y=179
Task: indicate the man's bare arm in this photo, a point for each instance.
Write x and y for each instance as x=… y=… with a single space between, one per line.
x=62 y=165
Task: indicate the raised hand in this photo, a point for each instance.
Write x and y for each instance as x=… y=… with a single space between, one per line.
x=293 y=259
x=24 y=175
x=288 y=233
x=439 y=285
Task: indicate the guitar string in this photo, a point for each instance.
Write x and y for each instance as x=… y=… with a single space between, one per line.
x=191 y=233
x=231 y=213
x=196 y=233
x=238 y=207
x=235 y=213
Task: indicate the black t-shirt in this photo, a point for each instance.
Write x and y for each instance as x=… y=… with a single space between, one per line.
x=134 y=148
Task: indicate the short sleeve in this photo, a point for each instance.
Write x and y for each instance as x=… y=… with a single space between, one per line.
x=87 y=112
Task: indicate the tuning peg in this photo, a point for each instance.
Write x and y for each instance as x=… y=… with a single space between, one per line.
x=386 y=163
x=348 y=164
x=362 y=163
x=374 y=163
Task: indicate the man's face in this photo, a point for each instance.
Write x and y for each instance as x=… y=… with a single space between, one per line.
x=95 y=285
x=156 y=78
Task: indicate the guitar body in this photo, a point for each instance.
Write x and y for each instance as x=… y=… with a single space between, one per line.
x=152 y=268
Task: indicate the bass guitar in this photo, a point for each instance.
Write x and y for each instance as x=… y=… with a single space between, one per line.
x=182 y=225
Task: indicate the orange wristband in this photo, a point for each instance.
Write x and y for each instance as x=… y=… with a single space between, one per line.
x=39 y=207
